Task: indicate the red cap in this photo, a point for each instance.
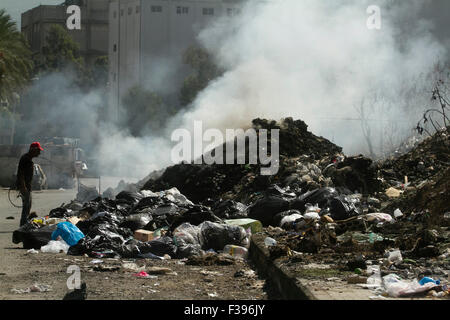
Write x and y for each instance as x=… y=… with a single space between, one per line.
x=36 y=145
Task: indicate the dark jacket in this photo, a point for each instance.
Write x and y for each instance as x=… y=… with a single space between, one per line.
x=25 y=171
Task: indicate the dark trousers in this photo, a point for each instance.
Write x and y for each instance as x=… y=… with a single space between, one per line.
x=26 y=207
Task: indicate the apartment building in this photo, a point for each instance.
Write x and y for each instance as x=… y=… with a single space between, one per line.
x=145 y=34
x=92 y=38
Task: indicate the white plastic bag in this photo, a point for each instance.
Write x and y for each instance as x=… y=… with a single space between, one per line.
x=394 y=256
x=55 y=247
x=289 y=220
x=379 y=217
x=396 y=287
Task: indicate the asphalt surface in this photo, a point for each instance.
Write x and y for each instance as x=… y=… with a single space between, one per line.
x=20 y=270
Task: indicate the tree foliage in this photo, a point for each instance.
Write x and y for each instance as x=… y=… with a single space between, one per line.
x=60 y=50
x=15 y=59
x=204 y=71
x=144 y=111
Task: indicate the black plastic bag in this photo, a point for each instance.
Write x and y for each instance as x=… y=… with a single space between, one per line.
x=136 y=221
x=159 y=247
x=217 y=236
x=195 y=216
x=341 y=208
x=148 y=202
x=230 y=209
x=321 y=197
x=32 y=236
x=131 y=197
x=266 y=208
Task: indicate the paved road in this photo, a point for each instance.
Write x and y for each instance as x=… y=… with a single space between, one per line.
x=19 y=270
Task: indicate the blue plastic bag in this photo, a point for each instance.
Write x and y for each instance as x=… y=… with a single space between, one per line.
x=68 y=232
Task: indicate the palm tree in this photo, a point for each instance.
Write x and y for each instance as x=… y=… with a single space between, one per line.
x=15 y=59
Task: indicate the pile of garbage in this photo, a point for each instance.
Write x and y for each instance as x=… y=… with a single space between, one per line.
x=140 y=224
x=321 y=202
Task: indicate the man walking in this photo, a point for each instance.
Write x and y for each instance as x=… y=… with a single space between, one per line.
x=24 y=178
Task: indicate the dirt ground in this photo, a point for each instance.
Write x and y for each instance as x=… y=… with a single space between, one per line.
x=21 y=270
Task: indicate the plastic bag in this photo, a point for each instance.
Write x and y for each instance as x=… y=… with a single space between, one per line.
x=287 y=222
x=230 y=209
x=195 y=216
x=396 y=287
x=55 y=247
x=68 y=232
x=321 y=197
x=266 y=208
x=394 y=256
x=187 y=234
x=136 y=221
x=217 y=236
x=379 y=217
x=32 y=236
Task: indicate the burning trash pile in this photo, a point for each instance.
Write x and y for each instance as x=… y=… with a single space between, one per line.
x=387 y=220
x=138 y=225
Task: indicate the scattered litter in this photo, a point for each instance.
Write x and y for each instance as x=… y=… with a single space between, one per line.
x=32 y=251
x=34 y=288
x=96 y=261
x=132 y=267
x=211 y=273
x=145 y=275
x=160 y=270
x=213 y=295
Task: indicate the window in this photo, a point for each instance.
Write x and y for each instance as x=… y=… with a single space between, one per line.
x=130 y=10
x=208 y=11
x=233 y=12
x=138 y=8
x=182 y=10
x=115 y=48
x=156 y=9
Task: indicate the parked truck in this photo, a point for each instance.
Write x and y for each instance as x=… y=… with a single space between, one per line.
x=56 y=167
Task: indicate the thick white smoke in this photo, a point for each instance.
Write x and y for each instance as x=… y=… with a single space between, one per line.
x=318 y=61
x=310 y=60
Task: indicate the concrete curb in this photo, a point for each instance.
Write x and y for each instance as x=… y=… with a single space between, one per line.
x=287 y=285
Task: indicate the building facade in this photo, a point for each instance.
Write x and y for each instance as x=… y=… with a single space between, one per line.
x=92 y=38
x=144 y=35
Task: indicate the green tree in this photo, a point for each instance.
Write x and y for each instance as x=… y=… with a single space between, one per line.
x=204 y=70
x=143 y=111
x=15 y=59
x=60 y=50
x=62 y=54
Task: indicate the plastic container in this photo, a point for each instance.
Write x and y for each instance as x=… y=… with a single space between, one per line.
x=236 y=251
